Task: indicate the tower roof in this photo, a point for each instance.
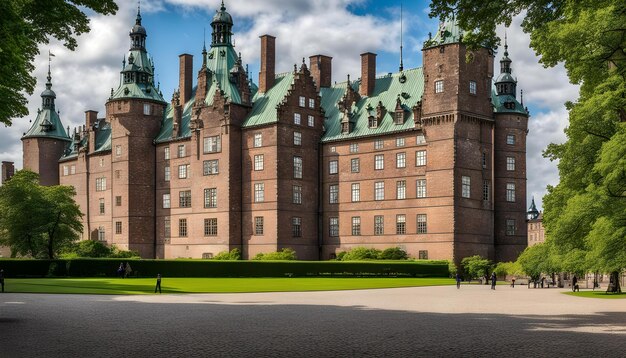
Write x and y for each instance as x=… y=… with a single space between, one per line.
x=532 y=213
x=221 y=16
x=448 y=32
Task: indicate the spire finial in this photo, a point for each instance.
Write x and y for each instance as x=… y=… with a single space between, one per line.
x=521 y=98
x=401 y=20
x=138 y=20
x=204 y=40
x=506 y=46
x=223 y=8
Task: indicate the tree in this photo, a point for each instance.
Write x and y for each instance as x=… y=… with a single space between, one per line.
x=26 y=24
x=35 y=220
x=477 y=266
x=585 y=214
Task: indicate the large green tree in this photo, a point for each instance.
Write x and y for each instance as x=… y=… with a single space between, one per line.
x=585 y=214
x=37 y=221
x=24 y=26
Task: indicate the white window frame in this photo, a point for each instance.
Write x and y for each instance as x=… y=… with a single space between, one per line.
x=333 y=194
x=379 y=190
x=510 y=164
x=333 y=167
x=259 y=192
x=212 y=144
x=167 y=201
x=439 y=86
x=210 y=167
x=379 y=162
x=356 y=192
x=297 y=119
x=258 y=140
x=167 y=174
x=302 y=101
x=472 y=87
x=401 y=160
x=510 y=192
x=259 y=162
x=466 y=184
x=355 y=165
x=401 y=189
x=420 y=188
x=297 y=138
x=311 y=120
x=297 y=167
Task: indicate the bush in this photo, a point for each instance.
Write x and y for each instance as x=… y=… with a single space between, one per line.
x=393 y=253
x=285 y=254
x=476 y=266
x=361 y=253
x=234 y=254
x=95 y=249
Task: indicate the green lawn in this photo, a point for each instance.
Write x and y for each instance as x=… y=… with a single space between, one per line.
x=597 y=294
x=141 y=286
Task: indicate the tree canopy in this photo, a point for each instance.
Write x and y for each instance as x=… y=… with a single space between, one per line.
x=585 y=214
x=37 y=221
x=26 y=24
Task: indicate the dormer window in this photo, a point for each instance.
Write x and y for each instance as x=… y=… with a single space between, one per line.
x=399 y=117
x=372 y=122
x=345 y=127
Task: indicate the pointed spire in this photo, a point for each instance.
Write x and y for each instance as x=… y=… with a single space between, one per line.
x=223 y=8
x=138 y=19
x=506 y=46
x=521 y=98
x=401 y=13
x=49 y=83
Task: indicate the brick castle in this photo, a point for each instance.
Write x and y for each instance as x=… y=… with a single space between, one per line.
x=431 y=159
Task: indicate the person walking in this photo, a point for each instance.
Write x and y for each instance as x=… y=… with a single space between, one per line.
x=120 y=270
x=574 y=283
x=458 y=281
x=2 y=280
x=127 y=270
x=493 y=280
x=158 y=284
x=513 y=282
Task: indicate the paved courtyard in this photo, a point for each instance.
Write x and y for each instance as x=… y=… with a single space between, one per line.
x=405 y=322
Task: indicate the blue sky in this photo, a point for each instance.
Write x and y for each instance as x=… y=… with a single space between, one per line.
x=342 y=29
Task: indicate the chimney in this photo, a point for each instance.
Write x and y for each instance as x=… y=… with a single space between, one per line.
x=268 y=63
x=321 y=69
x=91 y=118
x=368 y=74
x=185 y=79
x=7 y=171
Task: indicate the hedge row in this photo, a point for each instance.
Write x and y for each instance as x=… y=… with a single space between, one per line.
x=209 y=268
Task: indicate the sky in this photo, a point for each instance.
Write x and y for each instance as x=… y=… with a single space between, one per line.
x=343 y=29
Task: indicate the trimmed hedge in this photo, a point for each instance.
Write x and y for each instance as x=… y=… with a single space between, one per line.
x=210 y=268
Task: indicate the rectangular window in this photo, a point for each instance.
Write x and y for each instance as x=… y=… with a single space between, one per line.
x=258 y=162
x=379 y=190
x=486 y=190
x=400 y=224
x=311 y=103
x=399 y=142
x=420 y=139
x=510 y=192
x=401 y=189
x=420 y=158
x=379 y=225
x=213 y=144
x=118 y=227
x=297 y=138
x=258 y=140
x=333 y=149
x=484 y=160
x=423 y=254
x=182 y=227
x=181 y=151
x=258 y=225
x=210 y=167
x=379 y=144
x=356 y=192
x=118 y=201
x=333 y=229
x=296 y=227
x=379 y=162
x=421 y=188
x=311 y=121
x=297 y=194
x=439 y=86
x=421 y=223
x=401 y=160
x=101 y=206
x=354 y=147
x=510 y=163
x=333 y=167
x=166 y=201
x=167 y=175
x=66 y=170
x=297 y=167
x=465 y=187
x=166 y=153
x=167 y=227
x=510 y=226
x=72 y=170
x=510 y=139
x=101 y=184
x=210 y=227
x=182 y=171
x=355 y=165
x=184 y=198
x=356 y=225
x=101 y=162
x=472 y=87
x=101 y=234
x=259 y=192
x=118 y=150
x=210 y=198
x=333 y=194
x=297 y=118
x=302 y=101
x=146 y=109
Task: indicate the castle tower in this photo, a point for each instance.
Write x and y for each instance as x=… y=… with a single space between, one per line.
x=458 y=124
x=134 y=111
x=43 y=144
x=511 y=128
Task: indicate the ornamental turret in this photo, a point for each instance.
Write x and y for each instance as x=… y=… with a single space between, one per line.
x=222 y=25
x=138 y=34
x=505 y=83
x=532 y=213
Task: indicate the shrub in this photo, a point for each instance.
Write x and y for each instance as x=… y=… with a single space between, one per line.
x=234 y=254
x=285 y=254
x=476 y=266
x=361 y=253
x=393 y=253
x=95 y=249
x=341 y=255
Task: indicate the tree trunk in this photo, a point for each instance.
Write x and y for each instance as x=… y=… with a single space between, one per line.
x=614 y=285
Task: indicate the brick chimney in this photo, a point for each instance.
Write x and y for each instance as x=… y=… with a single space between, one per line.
x=368 y=74
x=268 y=63
x=7 y=171
x=321 y=67
x=185 y=81
x=91 y=118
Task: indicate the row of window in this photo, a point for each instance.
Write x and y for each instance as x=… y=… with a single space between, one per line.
x=379 y=191
x=379 y=162
x=439 y=87
x=379 y=225
x=380 y=144
x=302 y=102
x=102 y=232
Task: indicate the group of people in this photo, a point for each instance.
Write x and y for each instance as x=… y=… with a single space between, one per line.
x=493 y=281
x=124 y=270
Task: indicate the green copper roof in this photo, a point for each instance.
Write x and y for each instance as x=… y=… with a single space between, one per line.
x=387 y=90
x=103 y=141
x=168 y=120
x=47 y=125
x=449 y=32
x=500 y=107
x=141 y=65
x=264 y=108
x=220 y=60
